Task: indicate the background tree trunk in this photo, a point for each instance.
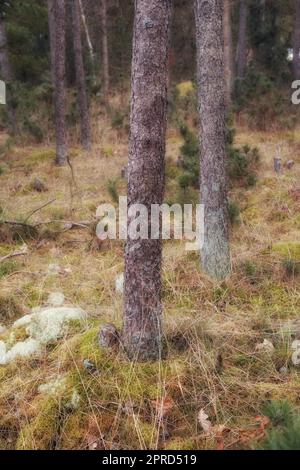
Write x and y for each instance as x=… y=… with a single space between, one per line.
x=7 y=76
x=80 y=78
x=241 y=59
x=88 y=40
x=142 y=308
x=57 y=17
x=228 y=56
x=296 y=41
x=215 y=254
x=105 y=57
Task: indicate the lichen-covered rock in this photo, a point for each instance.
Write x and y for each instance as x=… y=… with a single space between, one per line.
x=42 y=326
x=53 y=387
x=51 y=323
x=56 y=299
x=19 y=350
x=120 y=284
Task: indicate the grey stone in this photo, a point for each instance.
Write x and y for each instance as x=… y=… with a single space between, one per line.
x=109 y=336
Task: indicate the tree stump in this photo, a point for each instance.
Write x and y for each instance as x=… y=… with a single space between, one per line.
x=277 y=164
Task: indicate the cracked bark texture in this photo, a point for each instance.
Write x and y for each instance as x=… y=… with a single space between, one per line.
x=215 y=254
x=57 y=19
x=7 y=75
x=296 y=41
x=85 y=129
x=241 y=58
x=228 y=56
x=146 y=179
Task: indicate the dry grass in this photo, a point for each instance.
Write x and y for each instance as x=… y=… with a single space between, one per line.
x=211 y=329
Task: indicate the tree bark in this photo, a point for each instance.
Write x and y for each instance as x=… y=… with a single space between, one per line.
x=88 y=40
x=105 y=57
x=296 y=41
x=215 y=253
x=241 y=59
x=146 y=180
x=7 y=75
x=228 y=56
x=57 y=18
x=80 y=78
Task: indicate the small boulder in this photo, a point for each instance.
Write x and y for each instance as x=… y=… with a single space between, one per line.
x=89 y=366
x=266 y=347
x=109 y=336
x=39 y=185
x=124 y=172
x=289 y=164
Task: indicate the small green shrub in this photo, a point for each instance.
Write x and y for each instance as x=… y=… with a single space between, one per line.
x=285 y=433
x=8 y=267
x=249 y=269
x=234 y=213
x=190 y=155
x=34 y=130
x=291 y=267
x=112 y=188
x=242 y=165
x=242 y=162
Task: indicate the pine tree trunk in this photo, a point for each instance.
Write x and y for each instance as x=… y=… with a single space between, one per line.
x=80 y=78
x=228 y=56
x=88 y=40
x=57 y=18
x=7 y=76
x=146 y=180
x=105 y=57
x=296 y=41
x=215 y=253
x=241 y=60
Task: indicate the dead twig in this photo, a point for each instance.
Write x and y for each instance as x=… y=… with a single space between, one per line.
x=38 y=209
x=22 y=252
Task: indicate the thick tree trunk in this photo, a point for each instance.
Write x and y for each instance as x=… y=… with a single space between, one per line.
x=57 y=18
x=241 y=58
x=228 y=56
x=215 y=253
x=7 y=75
x=296 y=41
x=80 y=78
x=142 y=303
x=105 y=57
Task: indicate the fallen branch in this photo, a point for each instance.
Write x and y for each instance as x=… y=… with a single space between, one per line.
x=38 y=209
x=16 y=222
x=22 y=252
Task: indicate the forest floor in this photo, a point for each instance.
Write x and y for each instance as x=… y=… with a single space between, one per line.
x=214 y=364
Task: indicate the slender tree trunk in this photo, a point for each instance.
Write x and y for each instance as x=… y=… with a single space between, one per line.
x=57 y=18
x=215 y=253
x=142 y=303
x=80 y=78
x=241 y=59
x=105 y=57
x=228 y=56
x=7 y=75
x=88 y=40
x=296 y=41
